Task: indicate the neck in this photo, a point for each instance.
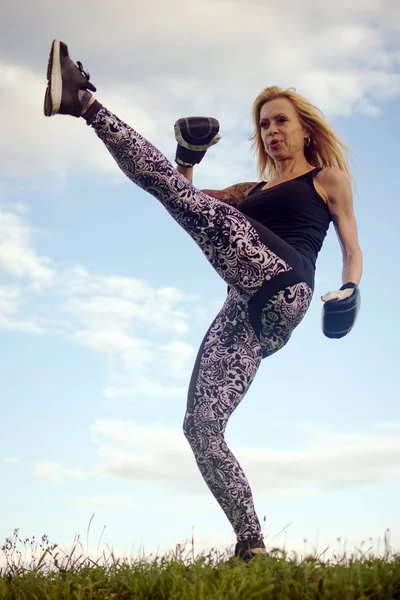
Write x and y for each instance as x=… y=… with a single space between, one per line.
x=291 y=168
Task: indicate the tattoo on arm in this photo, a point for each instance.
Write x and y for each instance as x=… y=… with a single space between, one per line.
x=232 y=195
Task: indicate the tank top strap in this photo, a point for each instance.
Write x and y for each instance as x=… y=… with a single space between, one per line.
x=256 y=188
x=314 y=172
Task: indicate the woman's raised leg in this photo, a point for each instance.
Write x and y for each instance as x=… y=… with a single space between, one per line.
x=226 y=237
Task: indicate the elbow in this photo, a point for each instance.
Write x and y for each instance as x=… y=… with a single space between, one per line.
x=352 y=255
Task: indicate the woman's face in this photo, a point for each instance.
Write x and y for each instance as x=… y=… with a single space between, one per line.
x=279 y=121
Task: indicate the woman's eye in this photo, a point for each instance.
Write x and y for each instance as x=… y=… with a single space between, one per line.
x=263 y=125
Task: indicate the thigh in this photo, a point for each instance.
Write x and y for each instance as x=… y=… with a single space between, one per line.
x=226 y=364
x=280 y=313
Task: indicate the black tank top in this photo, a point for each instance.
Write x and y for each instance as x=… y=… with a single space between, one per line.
x=293 y=210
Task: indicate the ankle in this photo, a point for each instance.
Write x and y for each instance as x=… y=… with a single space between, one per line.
x=86 y=99
x=258 y=550
x=91 y=110
x=91 y=101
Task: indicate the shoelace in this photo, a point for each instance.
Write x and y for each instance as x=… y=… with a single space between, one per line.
x=81 y=69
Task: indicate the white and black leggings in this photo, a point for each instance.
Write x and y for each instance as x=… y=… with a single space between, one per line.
x=270 y=287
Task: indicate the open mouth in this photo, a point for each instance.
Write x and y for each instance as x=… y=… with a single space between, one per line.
x=275 y=144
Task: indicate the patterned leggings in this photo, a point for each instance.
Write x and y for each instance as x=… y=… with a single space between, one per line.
x=270 y=287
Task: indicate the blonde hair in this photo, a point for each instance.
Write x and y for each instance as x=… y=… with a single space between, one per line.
x=326 y=149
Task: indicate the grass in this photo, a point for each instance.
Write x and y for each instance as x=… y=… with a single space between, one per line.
x=39 y=570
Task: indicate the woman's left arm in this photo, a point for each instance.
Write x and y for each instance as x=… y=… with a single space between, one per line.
x=340 y=205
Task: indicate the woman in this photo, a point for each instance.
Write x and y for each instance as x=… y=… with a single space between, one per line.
x=262 y=239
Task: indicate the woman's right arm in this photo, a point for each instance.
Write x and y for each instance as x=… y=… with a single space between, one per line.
x=232 y=195
x=186 y=172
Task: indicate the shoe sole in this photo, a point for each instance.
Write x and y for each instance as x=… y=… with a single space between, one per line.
x=53 y=96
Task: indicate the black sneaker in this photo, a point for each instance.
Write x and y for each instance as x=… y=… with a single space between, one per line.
x=65 y=79
x=249 y=549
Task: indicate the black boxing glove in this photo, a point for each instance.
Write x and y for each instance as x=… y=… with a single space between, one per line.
x=194 y=136
x=340 y=310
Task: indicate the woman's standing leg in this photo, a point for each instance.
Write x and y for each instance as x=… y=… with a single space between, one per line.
x=228 y=359
x=226 y=365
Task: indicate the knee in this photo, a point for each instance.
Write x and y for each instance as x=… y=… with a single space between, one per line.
x=202 y=436
x=191 y=428
x=187 y=426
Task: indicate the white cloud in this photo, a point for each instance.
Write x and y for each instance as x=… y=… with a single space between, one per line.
x=36 y=144
x=130 y=435
x=156 y=454
x=10 y=301
x=17 y=254
x=53 y=473
x=177 y=357
x=101 y=502
x=13 y=460
x=136 y=326
x=331 y=461
x=116 y=310
x=344 y=57
x=114 y=342
x=8 y=297
x=144 y=387
x=388 y=425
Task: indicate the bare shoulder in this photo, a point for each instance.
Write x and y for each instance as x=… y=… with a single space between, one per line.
x=334 y=183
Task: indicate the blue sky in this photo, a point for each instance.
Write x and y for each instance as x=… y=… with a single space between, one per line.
x=104 y=300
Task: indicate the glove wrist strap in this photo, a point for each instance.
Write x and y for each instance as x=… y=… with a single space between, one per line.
x=182 y=163
x=348 y=285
